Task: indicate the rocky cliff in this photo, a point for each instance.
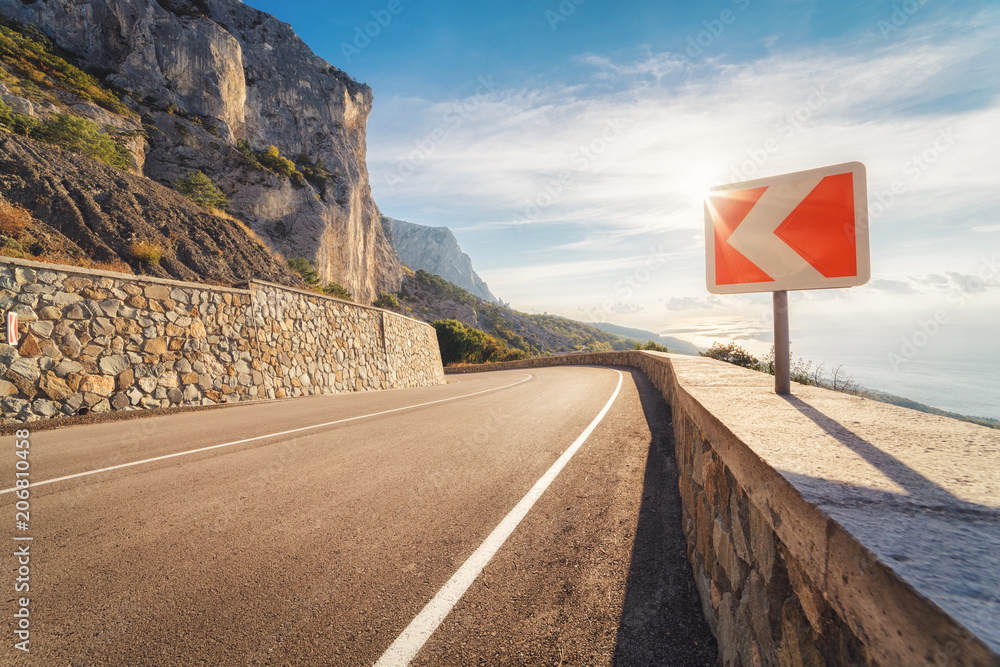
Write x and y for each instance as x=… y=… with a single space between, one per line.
x=215 y=85
x=435 y=250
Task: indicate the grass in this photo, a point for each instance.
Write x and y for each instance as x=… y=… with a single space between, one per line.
x=31 y=56
x=13 y=219
x=146 y=252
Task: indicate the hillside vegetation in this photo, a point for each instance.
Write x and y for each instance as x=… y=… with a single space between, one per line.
x=506 y=332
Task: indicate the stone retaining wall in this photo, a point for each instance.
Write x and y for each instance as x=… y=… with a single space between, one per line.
x=825 y=529
x=106 y=341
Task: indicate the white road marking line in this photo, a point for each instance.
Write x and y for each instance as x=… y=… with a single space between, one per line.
x=420 y=629
x=262 y=437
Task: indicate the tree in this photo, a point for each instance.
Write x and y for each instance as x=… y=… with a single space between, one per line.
x=200 y=189
x=651 y=346
x=82 y=136
x=732 y=354
x=453 y=340
x=305 y=269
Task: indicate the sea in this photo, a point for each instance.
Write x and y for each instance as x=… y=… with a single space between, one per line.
x=953 y=366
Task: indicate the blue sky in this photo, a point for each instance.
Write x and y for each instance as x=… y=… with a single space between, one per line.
x=568 y=145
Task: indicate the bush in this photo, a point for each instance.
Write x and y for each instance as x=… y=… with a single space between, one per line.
x=339 y=291
x=305 y=269
x=386 y=301
x=460 y=343
x=146 y=252
x=452 y=340
x=732 y=354
x=651 y=346
x=200 y=189
x=30 y=55
x=13 y=219
x=82 y=136
x=272 y=159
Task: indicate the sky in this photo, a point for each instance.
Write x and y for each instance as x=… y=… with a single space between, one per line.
x=569 y=144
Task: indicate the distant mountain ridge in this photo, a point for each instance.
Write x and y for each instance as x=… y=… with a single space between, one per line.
x=673 y=344
x=435 y=250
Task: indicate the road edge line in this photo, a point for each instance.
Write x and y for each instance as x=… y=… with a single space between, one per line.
x=420 y=629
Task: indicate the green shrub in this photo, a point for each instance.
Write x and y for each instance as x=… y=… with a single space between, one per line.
x=16 y=122
x=200 y=189
x=272 y=159
x=453 y=340
x=82 y=136
x=651 y=346
x=31 y=55
x=732 y=354
x=339 y=291
x=305 y=269
x=386 y=301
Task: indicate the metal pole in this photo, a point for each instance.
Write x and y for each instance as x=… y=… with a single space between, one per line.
x=782 y=354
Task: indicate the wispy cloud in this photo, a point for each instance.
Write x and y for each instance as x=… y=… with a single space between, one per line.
x=686 y=126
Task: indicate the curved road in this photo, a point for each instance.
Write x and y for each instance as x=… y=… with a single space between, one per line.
x=313 y=531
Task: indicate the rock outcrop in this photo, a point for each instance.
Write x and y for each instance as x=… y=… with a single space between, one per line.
x=436 y=250
x=216 y=84
x=85 y=209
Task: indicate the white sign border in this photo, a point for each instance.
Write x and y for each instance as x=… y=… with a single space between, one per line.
x=863 y=257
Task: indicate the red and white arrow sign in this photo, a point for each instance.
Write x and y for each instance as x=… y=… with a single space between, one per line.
x=806 y=230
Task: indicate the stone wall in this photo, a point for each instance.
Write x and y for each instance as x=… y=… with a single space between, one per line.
x=823 y=528
x=313 y=344
x=99 y=341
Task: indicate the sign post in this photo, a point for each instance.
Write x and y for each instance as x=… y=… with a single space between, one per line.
x=804 y=230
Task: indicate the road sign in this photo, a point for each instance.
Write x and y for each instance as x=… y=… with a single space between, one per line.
x=805 y=230
x=11 y=328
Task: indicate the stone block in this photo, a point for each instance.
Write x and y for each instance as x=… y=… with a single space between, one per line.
x=7 y=389
x=126 y=379
x=102 y=385
x=157 y=292
x=25 y=313
x=49 y=313
x=55 y=387
x=113 y=364
x=175 y=395
x=67 y=366
x=121 y=400
x=155 y=346
x=75 y=283
x=41 y=328
x=77 y=311
x=189 y=378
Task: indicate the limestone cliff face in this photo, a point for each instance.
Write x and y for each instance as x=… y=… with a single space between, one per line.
x=206 y=74
x=436 y=250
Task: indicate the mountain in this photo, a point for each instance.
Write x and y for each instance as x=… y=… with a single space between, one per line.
x=218 y=87
x=673 y=344
x=429 y=297
x=435 y=250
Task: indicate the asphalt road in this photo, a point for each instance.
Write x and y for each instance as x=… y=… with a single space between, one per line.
x=322 y=527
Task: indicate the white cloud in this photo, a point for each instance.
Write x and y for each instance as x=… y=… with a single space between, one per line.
x=627 y=163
